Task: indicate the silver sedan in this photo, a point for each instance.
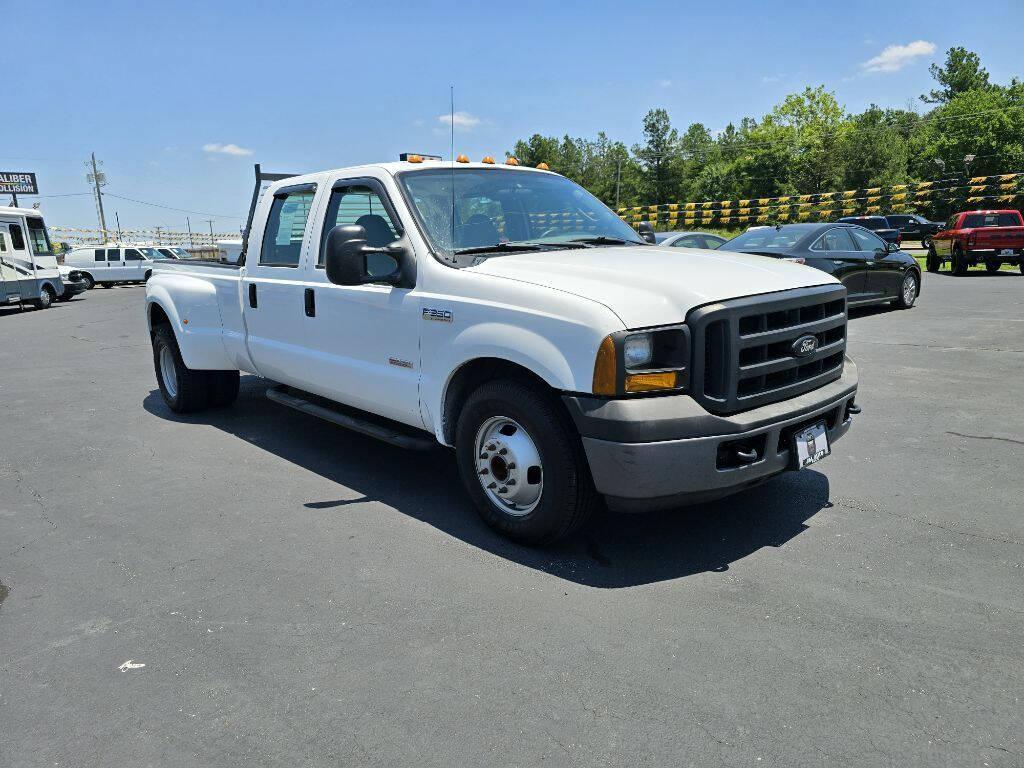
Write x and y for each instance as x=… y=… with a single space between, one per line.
x=689 y=240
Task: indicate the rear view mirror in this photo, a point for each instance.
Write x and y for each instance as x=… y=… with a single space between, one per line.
x=892 y=247
x=350 y=260
x=646 y=231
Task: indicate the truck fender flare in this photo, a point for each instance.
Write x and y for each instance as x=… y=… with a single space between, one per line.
x=195 y=319
x=518 y=346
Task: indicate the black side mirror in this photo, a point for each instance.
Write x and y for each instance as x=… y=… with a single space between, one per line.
x=350 y=260
x=646 y=231
x=892 y=247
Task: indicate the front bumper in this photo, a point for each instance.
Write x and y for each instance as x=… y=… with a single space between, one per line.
x=655 y=453
x=73 y=289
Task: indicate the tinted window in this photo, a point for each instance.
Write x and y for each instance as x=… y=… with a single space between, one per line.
x=951 y=224
x=3 y=243
x=286 y=226
x=866 y=241
x=899 y=222
x=131 y=254
x=99 y=255
x=713 y=241
x=836 y=240
x=689 y=241
x=1008 y=220
x=38 y=237
x=362 y=206
x=113 y=254
x=17 y=238
x=769 y=238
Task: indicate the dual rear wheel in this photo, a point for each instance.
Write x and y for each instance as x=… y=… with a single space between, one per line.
x=183 y=389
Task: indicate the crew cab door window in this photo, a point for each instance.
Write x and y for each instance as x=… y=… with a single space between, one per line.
x=867 y=241
x=361 y=205
x=131 y=254
x=286 y=227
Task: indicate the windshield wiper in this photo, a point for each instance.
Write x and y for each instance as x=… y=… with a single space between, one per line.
x=603 y=240
x=510 y=248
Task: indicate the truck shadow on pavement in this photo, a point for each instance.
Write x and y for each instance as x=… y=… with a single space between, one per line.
x=613 y=551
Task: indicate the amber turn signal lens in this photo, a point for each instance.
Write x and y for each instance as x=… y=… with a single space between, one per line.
x=462 y=159
x=511 y=161
x=604 y=368
x=648 y=382
x=542 y=167
x=488 y=159
x=415 y=159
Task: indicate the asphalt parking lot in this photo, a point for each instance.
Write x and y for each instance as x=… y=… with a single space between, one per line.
x=300 y=595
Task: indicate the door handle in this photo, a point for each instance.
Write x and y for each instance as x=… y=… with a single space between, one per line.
x=252 y=295
x=310 y=303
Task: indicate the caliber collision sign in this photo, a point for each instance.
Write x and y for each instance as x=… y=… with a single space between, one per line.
x=17 y=183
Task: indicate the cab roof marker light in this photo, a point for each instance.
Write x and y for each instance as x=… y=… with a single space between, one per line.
x=488 y=159
x=543 y=167
x=462 y=159
x=511 y=161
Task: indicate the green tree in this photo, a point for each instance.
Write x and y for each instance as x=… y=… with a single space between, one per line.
x=659 y=158
x=962 y=73
x=874 y=148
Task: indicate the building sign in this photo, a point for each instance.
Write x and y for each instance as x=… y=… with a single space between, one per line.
x=16 y=183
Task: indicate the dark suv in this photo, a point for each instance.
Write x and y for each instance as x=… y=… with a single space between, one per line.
x=914 y=227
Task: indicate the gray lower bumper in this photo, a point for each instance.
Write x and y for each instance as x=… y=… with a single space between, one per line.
x=690 y=468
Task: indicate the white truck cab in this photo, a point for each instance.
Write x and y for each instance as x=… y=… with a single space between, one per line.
x=28 y=266
x=115 y=263
x=507 y=313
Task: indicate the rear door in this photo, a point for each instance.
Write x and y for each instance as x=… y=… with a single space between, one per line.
x=273 y=288
x=115 y=266
x=836 y=253
x=884 y=269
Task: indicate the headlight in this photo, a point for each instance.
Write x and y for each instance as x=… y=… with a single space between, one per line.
x=644 y=361
x=637 y=350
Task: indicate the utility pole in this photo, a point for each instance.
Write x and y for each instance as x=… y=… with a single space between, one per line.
x=118 y=220
x=210 y=222
x=158 y=234
x=189 y=225
x=98 y=179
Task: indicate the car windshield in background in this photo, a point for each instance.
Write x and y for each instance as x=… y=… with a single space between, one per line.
x=153 y=253
x=767 y=238
x=508 y=210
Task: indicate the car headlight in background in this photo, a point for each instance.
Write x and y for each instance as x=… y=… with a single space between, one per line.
x=633 y=362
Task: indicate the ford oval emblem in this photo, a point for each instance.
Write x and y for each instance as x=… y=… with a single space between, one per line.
x=805 y=345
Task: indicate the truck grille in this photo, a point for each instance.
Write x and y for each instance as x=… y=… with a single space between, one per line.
x=745 y=350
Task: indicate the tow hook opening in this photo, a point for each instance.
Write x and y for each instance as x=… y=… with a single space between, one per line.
x=852 y=409
x=740 y=453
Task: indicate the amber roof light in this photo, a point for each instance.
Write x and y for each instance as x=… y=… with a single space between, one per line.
x=462 y=159
x=511 y=161
x=488 y=159
x=542 y=167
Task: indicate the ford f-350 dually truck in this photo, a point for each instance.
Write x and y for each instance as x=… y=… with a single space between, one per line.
x=507 y=313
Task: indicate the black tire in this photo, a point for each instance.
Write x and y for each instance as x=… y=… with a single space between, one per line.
x=926 y=242
x=45 y=300
x=89 y=282
x=191 y=391
x=907 y=298
x=149 y=274
x=933 y=261
x=1021 y=266
x=107 y=284
x=223 y=388
x=959 y=265
x=992 y=266
x=567 y=497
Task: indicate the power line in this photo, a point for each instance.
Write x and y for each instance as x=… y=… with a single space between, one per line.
x=171 y=208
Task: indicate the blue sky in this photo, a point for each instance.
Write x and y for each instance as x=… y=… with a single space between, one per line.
x=179 y=99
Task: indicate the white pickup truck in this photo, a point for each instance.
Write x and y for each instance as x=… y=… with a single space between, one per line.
x=506 y=312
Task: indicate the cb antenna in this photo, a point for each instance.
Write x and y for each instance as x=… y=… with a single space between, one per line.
x=451 y=94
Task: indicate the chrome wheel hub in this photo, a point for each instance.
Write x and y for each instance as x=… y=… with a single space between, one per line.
x=909 y=289
x=168 y=372
x=508 y=465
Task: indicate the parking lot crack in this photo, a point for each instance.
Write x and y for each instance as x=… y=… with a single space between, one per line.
x=988 y=437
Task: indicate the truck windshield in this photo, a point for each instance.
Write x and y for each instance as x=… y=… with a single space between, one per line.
x=509 y=210
x=38 y=237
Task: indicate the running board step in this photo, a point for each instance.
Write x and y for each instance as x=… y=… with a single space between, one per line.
x=393 y=435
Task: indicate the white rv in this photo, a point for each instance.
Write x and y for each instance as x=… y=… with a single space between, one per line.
x=28 y=268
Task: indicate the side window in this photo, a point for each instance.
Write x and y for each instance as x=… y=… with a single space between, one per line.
x=867 y=241
x=951 y=224
x=99 y=255
x=17 y=238
x=113 y=254
x=836 y=240
x=131 y=254
x=361 y=205
x=689 y=241
x=3 y=243
x=712 y=242
x=286 y=227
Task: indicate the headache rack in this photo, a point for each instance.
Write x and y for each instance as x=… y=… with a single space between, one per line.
x=745 y=351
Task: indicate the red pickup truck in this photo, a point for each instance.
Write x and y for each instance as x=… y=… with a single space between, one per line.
x=992 y=238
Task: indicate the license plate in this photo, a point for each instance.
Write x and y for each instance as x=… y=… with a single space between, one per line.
x=811 y=445
x=1006 y=252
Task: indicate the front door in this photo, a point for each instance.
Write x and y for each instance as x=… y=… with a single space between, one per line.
x=364 y=339
x=272 y=290
x=134 y=264
x=836 y=253
x=884 y=269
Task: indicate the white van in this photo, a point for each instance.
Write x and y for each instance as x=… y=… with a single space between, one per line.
x=28 y=268
x=114 y=263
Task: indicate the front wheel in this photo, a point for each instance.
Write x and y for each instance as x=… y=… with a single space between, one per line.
x=908 y=291
x=992 y=266
x=521 y=462
x=45 y=299
x=926 y=242
x=934 y=262
x=89 y=282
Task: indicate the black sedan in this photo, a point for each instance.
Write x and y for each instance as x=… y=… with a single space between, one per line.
x=872 y=270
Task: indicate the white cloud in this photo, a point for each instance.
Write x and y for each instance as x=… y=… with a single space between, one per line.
x=896 y=57
x=771 y=78
x=665 y=83
x=463 y=121
x=226 y=149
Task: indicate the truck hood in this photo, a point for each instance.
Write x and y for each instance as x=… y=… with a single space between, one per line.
x=650 y=285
